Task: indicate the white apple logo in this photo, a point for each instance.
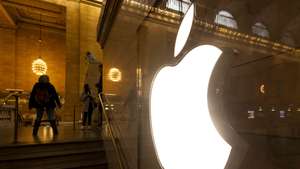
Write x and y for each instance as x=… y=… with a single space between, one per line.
x=182 y=129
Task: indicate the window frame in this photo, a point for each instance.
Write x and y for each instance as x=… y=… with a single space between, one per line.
x=225 y=18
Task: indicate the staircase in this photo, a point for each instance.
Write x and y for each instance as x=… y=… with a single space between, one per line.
x=60 y=155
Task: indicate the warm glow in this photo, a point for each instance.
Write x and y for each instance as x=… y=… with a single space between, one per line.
x=262 y=89
x=39 y=67
x=251 y=114
x=183 y=132
x=115 y=75
x=184 y=30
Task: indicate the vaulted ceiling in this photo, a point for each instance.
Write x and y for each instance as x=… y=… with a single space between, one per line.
x=282 y=18
x=36 y=12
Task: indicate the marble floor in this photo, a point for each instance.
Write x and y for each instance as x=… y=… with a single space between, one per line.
x=45 y=135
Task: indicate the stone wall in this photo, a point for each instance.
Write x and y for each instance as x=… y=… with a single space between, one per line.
x=81 y=37
x=20 y=47
x=7 y=54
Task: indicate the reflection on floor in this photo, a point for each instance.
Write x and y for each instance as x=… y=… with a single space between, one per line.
x=45 y=135
x=72 y=148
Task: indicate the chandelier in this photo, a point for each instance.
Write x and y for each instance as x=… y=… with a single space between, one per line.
x=115 y=75
x=39 y=67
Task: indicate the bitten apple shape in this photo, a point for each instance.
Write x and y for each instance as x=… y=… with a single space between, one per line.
x=182 y=129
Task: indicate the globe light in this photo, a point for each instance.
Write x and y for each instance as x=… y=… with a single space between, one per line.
x=115 y=75
x=39 y=67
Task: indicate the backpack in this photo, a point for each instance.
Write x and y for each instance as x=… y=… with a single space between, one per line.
x=42 y=96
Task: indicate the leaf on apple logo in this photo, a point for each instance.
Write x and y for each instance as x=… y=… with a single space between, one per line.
x=184 y=30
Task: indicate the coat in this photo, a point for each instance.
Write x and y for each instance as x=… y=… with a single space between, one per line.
x=53 y=97
x=87 y=99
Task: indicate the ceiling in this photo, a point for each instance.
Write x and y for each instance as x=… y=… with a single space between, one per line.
x=13 y=12
x=281 y=18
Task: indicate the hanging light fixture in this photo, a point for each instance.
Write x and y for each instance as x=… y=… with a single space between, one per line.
x=39 y=67
x=114 y=74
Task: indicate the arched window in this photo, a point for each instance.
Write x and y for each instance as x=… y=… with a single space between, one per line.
x=226 y=19
x=260 y=30
x=288 y=39
x=178 y=5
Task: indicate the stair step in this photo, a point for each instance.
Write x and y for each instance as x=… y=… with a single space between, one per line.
x=103 y=166
x=48 y=150
x=83 y=160
x=88 y=154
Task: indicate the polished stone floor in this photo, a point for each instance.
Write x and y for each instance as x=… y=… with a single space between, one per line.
x=45 y=135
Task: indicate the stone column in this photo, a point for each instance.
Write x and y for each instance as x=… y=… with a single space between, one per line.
x=72 y=60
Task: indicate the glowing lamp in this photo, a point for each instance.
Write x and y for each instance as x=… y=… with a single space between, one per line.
x=39 y=67
x=115 y=75
x=180 y=118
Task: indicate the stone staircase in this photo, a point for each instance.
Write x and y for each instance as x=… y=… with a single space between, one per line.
x=60 y=155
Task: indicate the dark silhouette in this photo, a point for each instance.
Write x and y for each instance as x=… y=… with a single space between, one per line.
x=88 y=107
x=44 y=97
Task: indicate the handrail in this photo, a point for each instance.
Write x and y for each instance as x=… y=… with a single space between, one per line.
x=12 y=93
x=8 y=96
x=75 y=106
x=17 y=93
x=121 y=165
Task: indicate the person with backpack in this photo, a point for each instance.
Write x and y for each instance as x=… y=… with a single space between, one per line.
x=44 y=97
x=88 y=106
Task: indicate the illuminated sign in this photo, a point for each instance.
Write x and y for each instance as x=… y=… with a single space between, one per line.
x=182 y=129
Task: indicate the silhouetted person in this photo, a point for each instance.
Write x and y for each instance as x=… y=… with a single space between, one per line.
x=88 y=107
x=43 y=97
x=90 y=57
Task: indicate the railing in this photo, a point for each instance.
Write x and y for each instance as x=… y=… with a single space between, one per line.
x=7 y=115
x=7 y=110
x=76 y=108
x=122 y=164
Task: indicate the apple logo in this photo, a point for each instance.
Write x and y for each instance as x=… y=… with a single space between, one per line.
x=183 y=132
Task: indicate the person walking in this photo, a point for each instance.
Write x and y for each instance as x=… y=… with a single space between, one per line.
x=43 y=98
x=88 y=107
